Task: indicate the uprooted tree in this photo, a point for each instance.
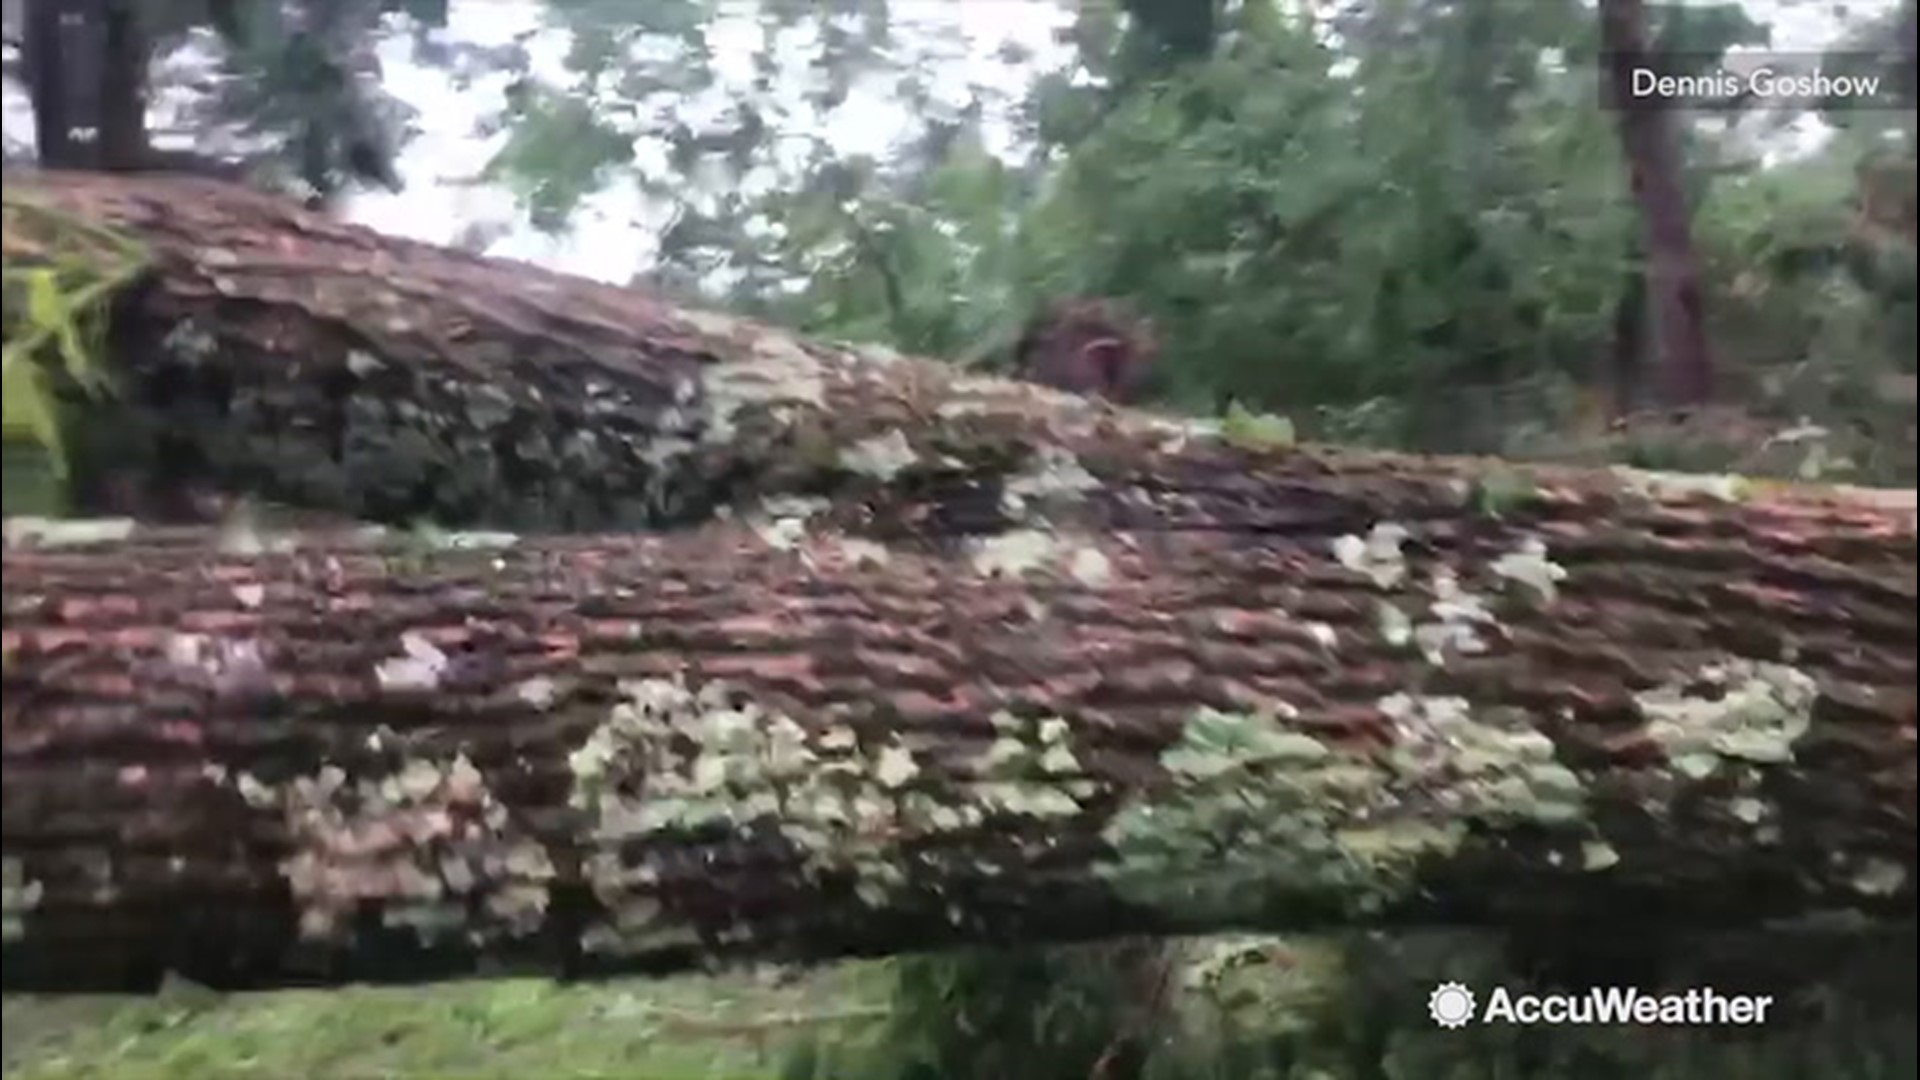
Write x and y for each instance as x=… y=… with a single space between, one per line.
x=892 y=657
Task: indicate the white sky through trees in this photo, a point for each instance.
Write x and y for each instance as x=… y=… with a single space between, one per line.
x=613 y=232
x=957 y=46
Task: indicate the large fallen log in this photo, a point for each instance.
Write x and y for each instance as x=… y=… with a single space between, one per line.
x=966 y=660
x=271 y=350
x=337 y=761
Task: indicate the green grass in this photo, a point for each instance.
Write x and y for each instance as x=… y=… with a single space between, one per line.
x=1295 y=1010
x=734 y=1027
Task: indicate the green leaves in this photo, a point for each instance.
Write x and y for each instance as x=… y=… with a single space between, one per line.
x=1256 y=431
x=1392 y=227
x=58 y=274
x=27 y=407
x=559 y=150
x=28 y=410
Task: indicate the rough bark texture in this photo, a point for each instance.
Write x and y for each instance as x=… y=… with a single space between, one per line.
x=332 y=762
x=324 y=366
x=1652 y=150
x=47 y=80
x=963 y=659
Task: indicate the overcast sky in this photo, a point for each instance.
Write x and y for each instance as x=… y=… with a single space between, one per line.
x=613 y=234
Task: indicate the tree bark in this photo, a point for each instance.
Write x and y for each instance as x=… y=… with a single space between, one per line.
x=320 y=365
x=1652 y=150
x=128 y=53
x=1629 y=341
x=43 y=50
x=87 y=70
x=924 y=658
x=336 y=762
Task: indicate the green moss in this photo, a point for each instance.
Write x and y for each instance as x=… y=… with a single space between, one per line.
x=1737 y=712
x=767 y=375
x=1052 y=477
x=1529 y=567
x=1654 y=484
x=1500 y=489
x=675 y=760
x=1879 y=877
x=1256 y=431
x=781 y=521
x=1457 y=622
x=429 y=840
x=1256 y=814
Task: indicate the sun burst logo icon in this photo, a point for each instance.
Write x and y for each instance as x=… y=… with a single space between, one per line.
x=1450 y=1005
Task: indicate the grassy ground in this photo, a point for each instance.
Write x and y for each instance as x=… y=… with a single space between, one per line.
x=1246 y=1009
x=735 y=1027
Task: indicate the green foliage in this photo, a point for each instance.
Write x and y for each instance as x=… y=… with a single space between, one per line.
x=1700 y=32
x=558 y=152
x=1419 y=238
x=305 y=86
x=734 y=1027
x=1814 y=300
x=1311 y=241
x=926 y=269
x=58 y=275
x=1256 y=431
x=1234 y=1008
x=29 y=400
x=989 y=1014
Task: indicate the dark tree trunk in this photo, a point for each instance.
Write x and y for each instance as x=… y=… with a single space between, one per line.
x=1651 y=147
x=48 y=84
x=87 y=71
x=123 y=91
x=1165 y=34
x=1629 y=342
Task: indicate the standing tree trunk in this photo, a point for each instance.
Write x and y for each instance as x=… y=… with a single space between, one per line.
x=125 y=52
x=1629 y=342
x=48 y=84
x=1652 y=152
x=87 y=71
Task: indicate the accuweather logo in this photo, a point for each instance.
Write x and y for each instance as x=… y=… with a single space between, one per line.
x=1450 y=1005
x=1453 y=1005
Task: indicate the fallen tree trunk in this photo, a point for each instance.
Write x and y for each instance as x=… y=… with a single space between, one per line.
x=342 y=759
x=271 y=350
x=969 y=660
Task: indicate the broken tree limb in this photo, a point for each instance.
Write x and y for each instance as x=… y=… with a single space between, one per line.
x=340 y=757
